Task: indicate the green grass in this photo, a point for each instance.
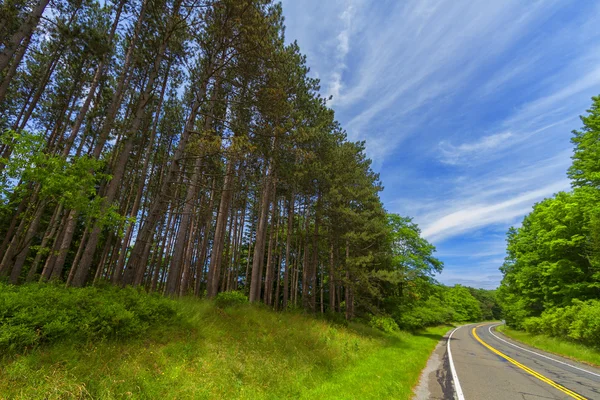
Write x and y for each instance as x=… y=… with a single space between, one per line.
x=562 y=347
x=244 y=352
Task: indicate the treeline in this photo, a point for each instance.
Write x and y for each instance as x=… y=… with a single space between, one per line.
x=178 y=145
x=181 y=147
x=551 y=278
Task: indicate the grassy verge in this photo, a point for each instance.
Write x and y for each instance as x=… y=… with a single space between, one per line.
x=565 y=348
x=241 y=352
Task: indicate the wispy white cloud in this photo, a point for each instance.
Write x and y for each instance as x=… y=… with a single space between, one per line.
x=346 y=18
x=479 y=215
x=466 y=106
x=452 y=154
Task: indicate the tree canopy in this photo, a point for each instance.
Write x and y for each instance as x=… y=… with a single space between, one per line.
x=181 y=146
x=553 y=259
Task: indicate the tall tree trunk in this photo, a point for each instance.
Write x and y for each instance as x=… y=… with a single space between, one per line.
x=157 y=209
x=261 y=233
x=306 y=265
x=269 y=268
x=315 y=254
x=206 y=234
x=290 y=224
x=65 y=245
x=219 y=239
x=25 y=31
x=187 y=259
x=192 y=193
x=25 y=246
x=119 y=170
x=8 y=235
x=13 y=68
x=50 y=232
x=331 y=278
x=121 y=85
x=349 y=294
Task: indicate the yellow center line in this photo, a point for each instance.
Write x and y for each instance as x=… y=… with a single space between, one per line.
x=527 y=369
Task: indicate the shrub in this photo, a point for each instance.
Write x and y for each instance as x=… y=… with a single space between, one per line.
x=36 y=314
x=579 y=322
x=431 y=312
x=383 y=323
x=230 y=299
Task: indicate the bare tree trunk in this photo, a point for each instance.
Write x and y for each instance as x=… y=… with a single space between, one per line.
x=102 y=263
x=321 y=287
x=204 y=246
x=236 y=257
x=231 y=259
x=63 y=250
x=13 y=68
x=40 y=90
x=121 y=85
x=22 y=255
x=349 y=294
x=49 y=264
x=290 y=224
x=13 y=224
x=119 y=170
x=157 y=209
x=331 y=279
x=50 y=232
x=159 y=253
x=269 y=269
x=186 y=264
x=25 y=30
x=261 y=233
x=78 y=255
x=219 y=239
x=278 y=282
x=315 y=260
x=306 y=264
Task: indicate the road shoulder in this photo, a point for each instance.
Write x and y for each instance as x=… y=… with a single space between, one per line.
x=435 y=382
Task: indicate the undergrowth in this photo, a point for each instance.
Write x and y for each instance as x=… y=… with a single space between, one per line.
x=194 y=349
x=37 y=314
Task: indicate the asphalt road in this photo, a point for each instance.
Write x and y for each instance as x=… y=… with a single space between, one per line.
x=488 y=366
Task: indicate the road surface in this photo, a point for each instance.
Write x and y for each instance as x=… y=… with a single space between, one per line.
x=479 y=363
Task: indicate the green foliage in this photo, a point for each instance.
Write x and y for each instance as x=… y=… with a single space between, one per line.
x=552 y=257
x=466 y=307
x=410 y=252
x=230 y=299
x=36 y=314
x=585 y=170
x=579 y=322
x=242 y=352
x=552 y=272
x=444 y=306
x=490 y=309
x=383 y=323
x=430 y=312
x=71 y=182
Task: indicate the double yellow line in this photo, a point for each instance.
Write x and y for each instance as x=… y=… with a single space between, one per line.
x=527 y=369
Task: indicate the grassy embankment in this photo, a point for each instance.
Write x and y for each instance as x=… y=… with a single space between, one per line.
x=196 y=351
x=554 y=345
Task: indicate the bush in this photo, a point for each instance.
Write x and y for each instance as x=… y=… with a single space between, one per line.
x=383 y=323
x=579 y=322
x=431 y=312
x=36 y=314
x=230 y=299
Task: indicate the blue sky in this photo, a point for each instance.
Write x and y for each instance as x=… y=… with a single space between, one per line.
x=466 y=107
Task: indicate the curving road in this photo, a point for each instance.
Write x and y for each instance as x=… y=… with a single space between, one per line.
x=477 y=362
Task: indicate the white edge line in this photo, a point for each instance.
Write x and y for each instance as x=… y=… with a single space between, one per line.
x=457 y=387
x=538 y=354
